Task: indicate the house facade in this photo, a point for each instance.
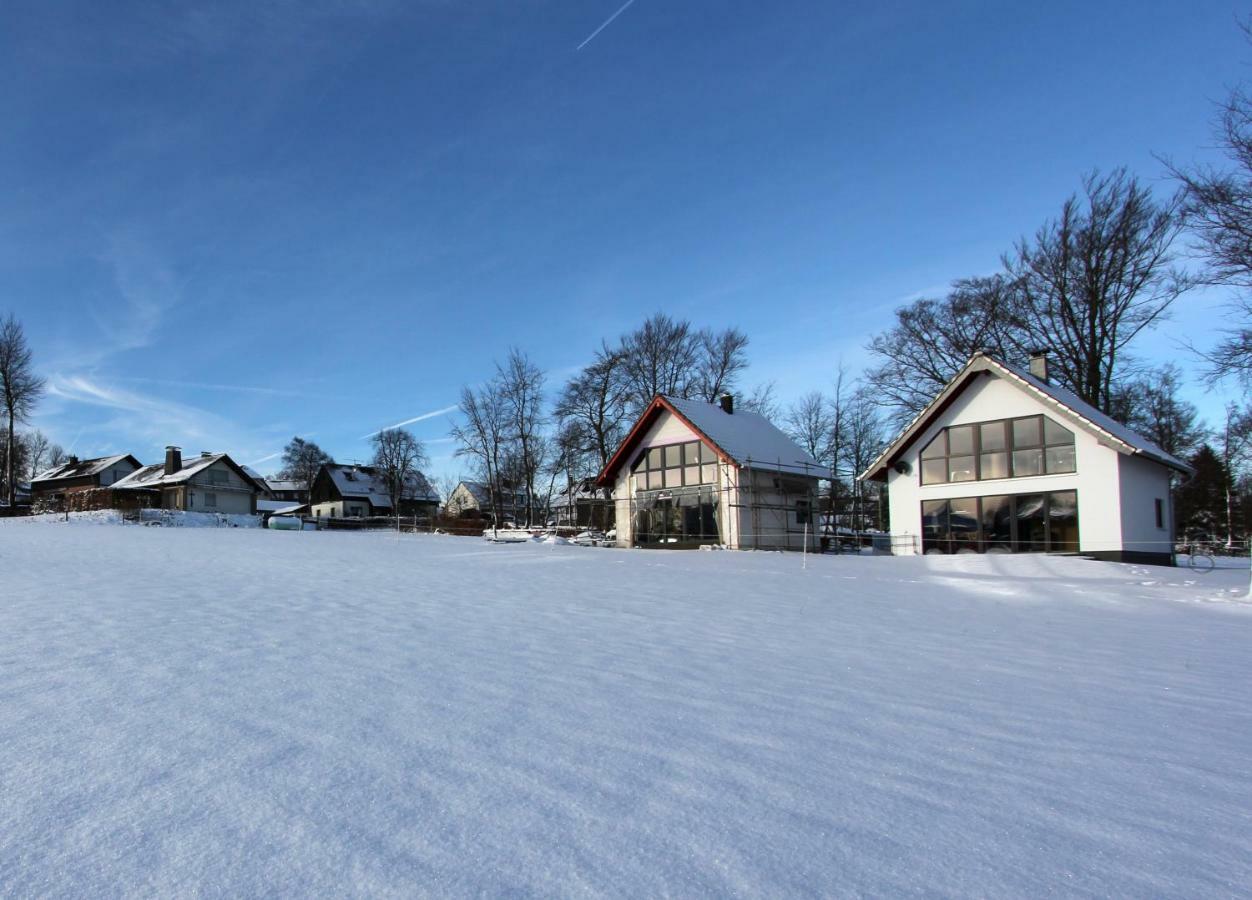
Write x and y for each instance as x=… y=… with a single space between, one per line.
x=690 y=474
x=56 y=486
x=583 y=504
x=1002 y=460
x=358 y=492
x=210 y=483
x=475 y=498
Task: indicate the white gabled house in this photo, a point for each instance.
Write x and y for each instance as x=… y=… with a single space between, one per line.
x=1002 y=460
x=692 y=473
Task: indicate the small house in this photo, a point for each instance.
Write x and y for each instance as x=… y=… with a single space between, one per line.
x=55 y=487
x=355 y=491
x=583 y=504
x=692 y=473
x=477 y=498
x=211 y=482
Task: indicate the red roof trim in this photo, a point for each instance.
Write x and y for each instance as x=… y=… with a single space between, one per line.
x=645 y=420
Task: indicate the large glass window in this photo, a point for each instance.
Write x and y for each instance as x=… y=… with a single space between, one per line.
x=1022 y=523
x=676 y=465
x=686 y=518
x=1008 y=448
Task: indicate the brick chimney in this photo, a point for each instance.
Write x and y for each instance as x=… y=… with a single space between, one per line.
x=1039 y=364
x=73 y=460
x=173 y=459
x=728 y=404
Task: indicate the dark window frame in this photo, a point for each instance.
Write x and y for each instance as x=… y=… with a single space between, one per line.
x=691 y=455
x=1008 y=451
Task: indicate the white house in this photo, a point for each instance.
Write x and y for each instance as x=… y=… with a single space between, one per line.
x=356 y=491
x=692 y=473
x=1002 y=460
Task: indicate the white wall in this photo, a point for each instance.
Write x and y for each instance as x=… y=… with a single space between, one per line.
x=1143 y=482
x=232 y=494
x=986 y=399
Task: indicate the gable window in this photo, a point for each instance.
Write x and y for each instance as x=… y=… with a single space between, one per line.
x=676 y=465
x=1006 y=448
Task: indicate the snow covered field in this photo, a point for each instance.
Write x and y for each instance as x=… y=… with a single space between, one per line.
x=240 y=712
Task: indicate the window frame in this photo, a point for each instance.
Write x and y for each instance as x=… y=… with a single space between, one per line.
x=653 y=473
x=1008 y=452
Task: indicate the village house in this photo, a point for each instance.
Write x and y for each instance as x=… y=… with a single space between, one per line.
x=692 y=473
x=56 y=488
x=475 y=499
x=1003 y=460
x=355 y=491
x=583 y=504
x=210 y=483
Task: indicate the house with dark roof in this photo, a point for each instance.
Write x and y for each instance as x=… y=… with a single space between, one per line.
x=692 y=473
x=211 y=482
x=583 y=504
x=54 y=487
x=355 y=491
x=1003 y=460
x=477 y=499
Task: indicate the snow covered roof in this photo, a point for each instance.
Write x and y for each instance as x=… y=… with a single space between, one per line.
x=82 y=467
x=584 y=489
x=365 y=482
x=154 y=476
x=747 y=439
x=1104 y=427
x=479 y=491
x=279 y=485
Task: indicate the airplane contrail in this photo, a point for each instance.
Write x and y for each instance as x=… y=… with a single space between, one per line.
x=429 y=415
x=607 y=23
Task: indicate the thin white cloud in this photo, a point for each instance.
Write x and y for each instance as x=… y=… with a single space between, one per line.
x=265 y=459
x=151 y=420
x=207 y=386
x=421 y=418
x=607 y=23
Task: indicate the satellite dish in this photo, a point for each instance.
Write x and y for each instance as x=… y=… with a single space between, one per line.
x=903 y=467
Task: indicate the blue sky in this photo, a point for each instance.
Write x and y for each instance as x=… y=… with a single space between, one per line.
x=228 y=225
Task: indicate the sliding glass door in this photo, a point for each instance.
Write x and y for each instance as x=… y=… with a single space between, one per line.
x=1020 y=523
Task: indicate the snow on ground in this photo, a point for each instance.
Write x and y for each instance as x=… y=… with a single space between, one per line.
x=237 y=713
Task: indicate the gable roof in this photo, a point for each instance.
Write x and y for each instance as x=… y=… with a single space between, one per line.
x=83 y=467
x=367 y=483
x=154 y=476
x=746 y=439
x=1106 y=429
x=482 y=494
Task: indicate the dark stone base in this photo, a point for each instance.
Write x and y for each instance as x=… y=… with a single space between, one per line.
x=1139 y=557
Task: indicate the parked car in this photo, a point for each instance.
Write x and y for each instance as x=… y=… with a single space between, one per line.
x=588 y=538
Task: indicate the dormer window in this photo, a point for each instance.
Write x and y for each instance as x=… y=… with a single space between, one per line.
x=1005 y=448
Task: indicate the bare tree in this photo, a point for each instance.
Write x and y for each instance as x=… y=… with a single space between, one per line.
x=595 y=401
x=445 y=485
x=1235 y=447
x=397 y=456
x=808 y=422
x=1151 y=404
x=1094 y=278
x=482 y=435
x=521 y=385
x=659 y=357
x=763 y=402
x=865 y=440
x=20 y=390
x=933 y=338
x=722 y=358
x=301 y=461
x=39 y=450
x=1218 y=210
